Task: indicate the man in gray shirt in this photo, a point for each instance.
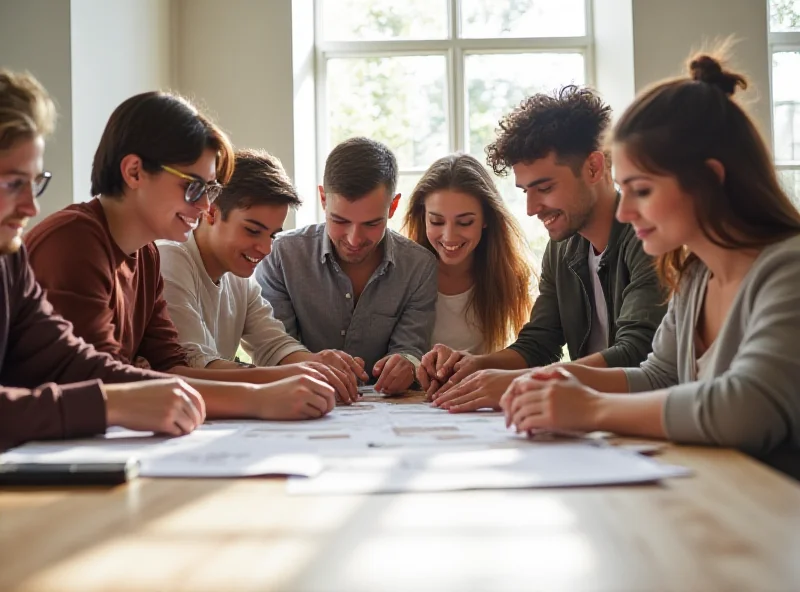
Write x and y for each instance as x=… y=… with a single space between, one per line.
x=350 y=283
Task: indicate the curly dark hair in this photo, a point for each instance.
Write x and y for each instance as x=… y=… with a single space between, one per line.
x=570 y=122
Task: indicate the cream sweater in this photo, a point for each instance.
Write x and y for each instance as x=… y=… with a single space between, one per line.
x=212 y=319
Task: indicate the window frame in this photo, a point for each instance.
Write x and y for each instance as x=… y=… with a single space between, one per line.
x=455 y=49
x=779 y=42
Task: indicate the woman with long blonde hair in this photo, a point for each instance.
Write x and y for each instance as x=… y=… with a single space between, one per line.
x=485 y=277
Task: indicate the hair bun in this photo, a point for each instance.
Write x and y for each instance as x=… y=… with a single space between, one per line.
x=705 y=68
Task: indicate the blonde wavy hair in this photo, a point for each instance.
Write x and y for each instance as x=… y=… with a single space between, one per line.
x=26 y=109
x=503 y=294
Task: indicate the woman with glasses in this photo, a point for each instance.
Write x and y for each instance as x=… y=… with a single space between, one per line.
x=51 y=384
x=156 y=171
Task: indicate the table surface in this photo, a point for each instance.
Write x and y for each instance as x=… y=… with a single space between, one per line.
x=734 y=525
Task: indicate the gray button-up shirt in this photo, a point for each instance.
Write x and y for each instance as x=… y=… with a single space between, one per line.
x=314 y=298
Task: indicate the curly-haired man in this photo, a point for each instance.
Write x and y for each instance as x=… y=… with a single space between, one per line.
x=599 y=293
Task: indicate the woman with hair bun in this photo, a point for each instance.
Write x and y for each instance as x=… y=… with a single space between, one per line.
x=699 y=186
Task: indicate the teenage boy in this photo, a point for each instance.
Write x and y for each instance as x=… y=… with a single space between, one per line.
x=212 y=298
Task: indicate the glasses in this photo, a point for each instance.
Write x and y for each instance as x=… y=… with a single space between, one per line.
x=37 y=185
x=196 y=188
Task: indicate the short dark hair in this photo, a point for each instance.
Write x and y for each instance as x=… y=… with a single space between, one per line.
x=357 y=166
x=258 y=179
x=570 y=122
x=161 y=128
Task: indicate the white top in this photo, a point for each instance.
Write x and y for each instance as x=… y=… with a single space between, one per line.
x=213 y=319
x=456 y=326
x=598 y=337
x=703 y=364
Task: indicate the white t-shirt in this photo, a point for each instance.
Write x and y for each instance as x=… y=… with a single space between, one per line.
x=213 y=319
x=598 y=338
x=456 y=326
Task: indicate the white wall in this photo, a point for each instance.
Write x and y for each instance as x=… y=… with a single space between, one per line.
x=237 y=59
x=665 y=32
x=613 y=52
x=34 y=36
x=119 y=49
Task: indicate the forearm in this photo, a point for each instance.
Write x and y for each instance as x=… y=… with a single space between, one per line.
x=604 y=380
x=225 y=400
x=506 y=359
x=298 y=356
x=593 y=361
x=632 y=415
x=227 y=371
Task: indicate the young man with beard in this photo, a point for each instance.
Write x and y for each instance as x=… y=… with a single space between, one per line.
x=599 y=292
x=349 y=283
x=212 y=297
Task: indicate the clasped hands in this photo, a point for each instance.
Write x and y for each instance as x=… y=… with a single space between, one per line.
x=543 y=398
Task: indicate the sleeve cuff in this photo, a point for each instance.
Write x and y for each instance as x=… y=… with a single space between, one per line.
x=680 y=421
x=83 y=407
x=637 y=380
x=275 y=358
x=413 y=359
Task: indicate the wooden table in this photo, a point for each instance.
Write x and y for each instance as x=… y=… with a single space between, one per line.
x=735 y=525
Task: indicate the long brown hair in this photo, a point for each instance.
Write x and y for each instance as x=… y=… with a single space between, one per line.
x=502 y=297
x=675 y=128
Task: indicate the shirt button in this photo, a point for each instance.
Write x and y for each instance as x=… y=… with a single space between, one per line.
x=343 y=332
x=347 y=295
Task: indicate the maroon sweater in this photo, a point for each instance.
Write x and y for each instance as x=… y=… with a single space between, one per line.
x=113 y=300
x=49 y=379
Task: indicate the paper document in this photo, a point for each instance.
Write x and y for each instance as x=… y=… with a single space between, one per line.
x=214 y=450
x=533 y=465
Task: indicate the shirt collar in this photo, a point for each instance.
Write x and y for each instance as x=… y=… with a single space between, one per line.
x=388 y=247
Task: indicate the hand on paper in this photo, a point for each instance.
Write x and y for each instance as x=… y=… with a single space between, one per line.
x=344 y=383
x=166 y=406
x=336 y=358
x=395 y=374
x=479 y=390
x=296 y=397
x=550 y=398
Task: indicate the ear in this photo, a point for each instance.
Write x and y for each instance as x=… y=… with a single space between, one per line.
x=211 y=214
x=394 y=204
x=717 y=168
x=596 y=166
x=131 y=168
x=321 y=195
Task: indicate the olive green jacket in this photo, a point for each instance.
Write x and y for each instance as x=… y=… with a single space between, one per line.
x=562 y=313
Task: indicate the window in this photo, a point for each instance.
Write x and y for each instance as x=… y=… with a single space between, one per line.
x=430 y=77
x=784 y=37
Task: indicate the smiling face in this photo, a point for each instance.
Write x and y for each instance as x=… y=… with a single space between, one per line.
x=160 y=196
x=356 y=228
x=453 y=225
x=558 y=197
x=19 y=166
x=239 y=243
x=660 y=211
